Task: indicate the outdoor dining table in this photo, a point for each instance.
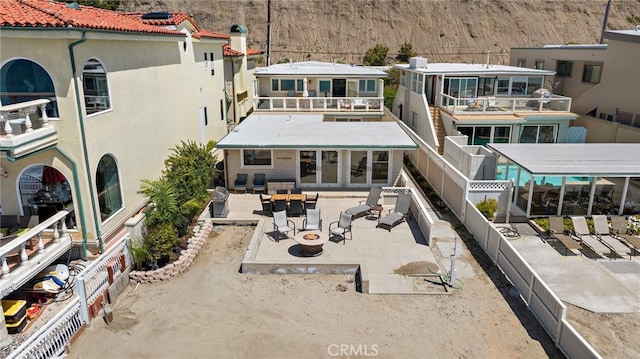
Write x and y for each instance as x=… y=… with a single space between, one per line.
x=288 y=197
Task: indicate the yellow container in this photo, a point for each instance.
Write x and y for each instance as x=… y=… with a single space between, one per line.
x=14 y=310
x=15 y=328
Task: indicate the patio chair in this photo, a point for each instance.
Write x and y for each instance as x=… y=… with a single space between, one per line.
x=581 y=230
x=296 y=190
x=282 y=191
x=619 y=226
x=279 y=205
x=398 y=214
x=601 y=228
x=259 y=182
x=312 y=221
x=311 y=203
x=556 y=231
x=295 y=208
x=266 y=204
x=363 y=209
x=282 y=225
x=240 y=184
x=343 y=226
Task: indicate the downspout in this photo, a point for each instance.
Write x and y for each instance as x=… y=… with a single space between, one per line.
x=76 y=182
x=84 y=141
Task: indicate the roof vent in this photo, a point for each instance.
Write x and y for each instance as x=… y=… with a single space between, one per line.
x=157 y=16
x=418 y=62
x=74 y=5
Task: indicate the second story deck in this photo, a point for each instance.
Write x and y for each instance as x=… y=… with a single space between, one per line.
x=25 y=127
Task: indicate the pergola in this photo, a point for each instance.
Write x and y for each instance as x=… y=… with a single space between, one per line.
x=572 y=179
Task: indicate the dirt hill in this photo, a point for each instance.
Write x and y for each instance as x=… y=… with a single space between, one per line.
x=441 y=30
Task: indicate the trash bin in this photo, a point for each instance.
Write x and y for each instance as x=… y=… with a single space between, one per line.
x=218 y=208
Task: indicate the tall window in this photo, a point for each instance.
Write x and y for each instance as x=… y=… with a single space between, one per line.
x=592 y=73
x=481 y=135
x=539 y=65
x=522 y=62
x=564 y=68
x=256 y=158
x=95 y=87
x=24 y=80
x=538 y=134
x=108 y=187
x=367 y=86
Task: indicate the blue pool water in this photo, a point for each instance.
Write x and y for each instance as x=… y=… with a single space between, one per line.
x=525 y=176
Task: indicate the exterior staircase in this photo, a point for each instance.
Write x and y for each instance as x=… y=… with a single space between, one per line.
x=439 y=127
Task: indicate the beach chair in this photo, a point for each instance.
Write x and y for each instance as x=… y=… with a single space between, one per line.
x=601 y=227
x=556 y=232
x=363 y=209
x=619 y=226
x=398 y=214
x=282 y=225
x=581 y=230
x=259 y=180
x=343 y=226
x=312 y=221
x=240 y=184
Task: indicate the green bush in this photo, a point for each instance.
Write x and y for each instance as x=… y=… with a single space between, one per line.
x=139 y=253
x=488 y=208
x=389 y=95
x=160 y=241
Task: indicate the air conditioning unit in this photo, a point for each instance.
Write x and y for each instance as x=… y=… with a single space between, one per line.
x=418 y=62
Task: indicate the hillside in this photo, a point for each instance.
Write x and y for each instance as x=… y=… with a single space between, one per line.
x=441 y=30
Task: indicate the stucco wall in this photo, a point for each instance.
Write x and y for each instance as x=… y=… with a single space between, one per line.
x=602 y=131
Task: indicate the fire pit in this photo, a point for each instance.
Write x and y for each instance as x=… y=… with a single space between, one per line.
x=310 y=244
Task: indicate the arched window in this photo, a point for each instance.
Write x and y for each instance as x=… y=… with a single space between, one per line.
x=108 y=187
x=23 y=80
x=95 y=87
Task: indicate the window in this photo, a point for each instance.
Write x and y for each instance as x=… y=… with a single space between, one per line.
x=564 y=68
x=522 y=62
x=485 y=86
x=414 y=120
x=287 y=85
x=503 y=85
x=416 y=82
x=256 y=158
x=108 y=187
x=367 y=86
x=24 y=80
x=95 y=87
x=481 y=135
x=402 y=78
x=275 y=85
x=538 y=134
x=251 y=64
x=591 y=73
x=539 y=65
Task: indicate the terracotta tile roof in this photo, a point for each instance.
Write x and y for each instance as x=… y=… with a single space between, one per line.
x=52 y=14
x=209 y=34
x=176 y=19
x=229 y=52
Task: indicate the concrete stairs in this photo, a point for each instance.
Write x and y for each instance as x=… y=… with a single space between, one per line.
x=439 y=127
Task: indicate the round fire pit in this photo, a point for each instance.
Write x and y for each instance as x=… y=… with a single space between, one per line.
x=310 y=243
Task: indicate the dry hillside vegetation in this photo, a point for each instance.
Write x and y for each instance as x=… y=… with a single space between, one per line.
x=463 y=30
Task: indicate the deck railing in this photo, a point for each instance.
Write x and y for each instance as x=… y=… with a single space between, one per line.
x=504 y=105
x=319 y=104
x=42 y=257
x=51 y=340
x=19 y=118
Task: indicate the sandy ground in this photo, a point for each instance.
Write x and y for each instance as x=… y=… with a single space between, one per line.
x=213 y=311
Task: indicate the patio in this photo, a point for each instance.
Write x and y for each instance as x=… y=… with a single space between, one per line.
x=388 y=262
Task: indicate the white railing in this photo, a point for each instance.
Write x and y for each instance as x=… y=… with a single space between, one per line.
x=504 y=105
x=320 y=104
x=96 y=278
x=50 y=340
x=15 y=117
x=41 y=255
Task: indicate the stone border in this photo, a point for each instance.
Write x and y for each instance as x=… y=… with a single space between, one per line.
x=195 y=243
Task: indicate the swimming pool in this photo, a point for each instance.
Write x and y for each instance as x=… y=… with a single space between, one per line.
x=525 y=177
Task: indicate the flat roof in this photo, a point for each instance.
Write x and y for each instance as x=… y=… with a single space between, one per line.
x=476 y=69
x=299 y=131
x=585 y=159
x=316 y=68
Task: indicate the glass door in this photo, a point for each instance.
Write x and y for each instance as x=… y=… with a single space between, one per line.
x=380 y=167
x=369 y=167
x=358 y=167
x=329 y=170
x=307 y=167
x=314 y=173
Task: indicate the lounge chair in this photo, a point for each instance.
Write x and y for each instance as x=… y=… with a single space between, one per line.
x=259 y=182
x=240 y=184
x=619 y=226
x=398 y=214
x=282 y=225
x=601 y=227
x=556 y=231
x=363 y=209
x=312 y=221
x=581 y=230
x=343 y=226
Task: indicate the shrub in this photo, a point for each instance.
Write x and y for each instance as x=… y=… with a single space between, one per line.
x=139 y=253
x=488 y=208
x=160 y=241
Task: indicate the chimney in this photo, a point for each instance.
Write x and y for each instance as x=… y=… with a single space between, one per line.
x=239 y=38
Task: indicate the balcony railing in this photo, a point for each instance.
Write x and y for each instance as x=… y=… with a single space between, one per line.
x=27 y=254
x=505 y=105
x=25 y=127
x=320 y=104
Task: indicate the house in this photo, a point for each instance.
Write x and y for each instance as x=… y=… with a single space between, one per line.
x=602 y=79
x=92 y=101
x=317 y=125
x=239 y=68
x=488 y=103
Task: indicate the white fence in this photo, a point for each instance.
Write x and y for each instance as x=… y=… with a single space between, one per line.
x=51 y=340
x=96 y=278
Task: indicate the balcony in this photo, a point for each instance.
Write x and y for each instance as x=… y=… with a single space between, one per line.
x=319 y=104
x=25 y=128
x=506 y=105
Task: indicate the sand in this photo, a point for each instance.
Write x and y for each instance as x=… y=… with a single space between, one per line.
x=213 y=311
